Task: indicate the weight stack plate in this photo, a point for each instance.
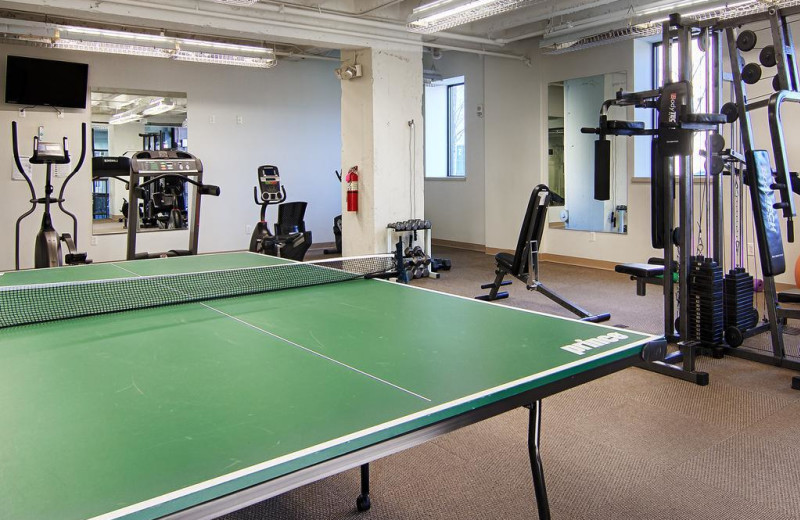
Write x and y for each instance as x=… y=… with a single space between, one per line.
x=740 y=311
x=705 y=301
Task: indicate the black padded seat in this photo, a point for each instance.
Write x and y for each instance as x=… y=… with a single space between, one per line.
x=505 y=259
x=789 y=296
x=640 y=270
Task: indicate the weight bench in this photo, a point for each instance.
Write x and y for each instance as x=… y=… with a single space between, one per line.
x=526 y=257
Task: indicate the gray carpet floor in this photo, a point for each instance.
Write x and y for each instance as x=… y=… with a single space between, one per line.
x=633 y=445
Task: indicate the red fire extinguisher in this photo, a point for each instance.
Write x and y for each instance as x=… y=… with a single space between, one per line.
x=352 y=189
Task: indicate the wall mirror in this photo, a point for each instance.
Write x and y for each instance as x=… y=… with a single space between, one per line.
x=572 y=105
x=125 y=122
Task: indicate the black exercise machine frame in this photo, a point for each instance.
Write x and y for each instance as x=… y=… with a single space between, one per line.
x=71 y=240
x=524 y=264
x=672 y=138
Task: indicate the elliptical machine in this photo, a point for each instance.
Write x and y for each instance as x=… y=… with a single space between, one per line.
x=47 y=251
x=291 y=240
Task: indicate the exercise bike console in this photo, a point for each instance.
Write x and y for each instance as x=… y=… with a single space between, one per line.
x=269 y=182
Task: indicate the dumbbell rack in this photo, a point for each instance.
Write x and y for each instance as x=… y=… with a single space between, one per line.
x=421 y=235
x=425 y=239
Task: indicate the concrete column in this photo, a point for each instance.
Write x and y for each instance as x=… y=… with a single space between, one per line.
x=382 y=133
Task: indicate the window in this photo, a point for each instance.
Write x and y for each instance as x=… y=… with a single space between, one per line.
x=700 y=82
x=445 y=132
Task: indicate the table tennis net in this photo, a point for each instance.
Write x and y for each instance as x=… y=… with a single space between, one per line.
x=27 y=304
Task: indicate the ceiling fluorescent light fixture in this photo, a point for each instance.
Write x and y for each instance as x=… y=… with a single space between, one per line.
x=114 y=35
x=158 y=106
x=226 y=59
x=237 y=2
x=121 y=118
x=444 y=14
x=112 y=48
x=224 y=46
x=159 y=46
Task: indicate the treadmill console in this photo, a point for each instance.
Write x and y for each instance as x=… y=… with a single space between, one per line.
x=161 y=162
x=269 y=182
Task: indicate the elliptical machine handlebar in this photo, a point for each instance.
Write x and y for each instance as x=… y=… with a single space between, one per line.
x=69 y=177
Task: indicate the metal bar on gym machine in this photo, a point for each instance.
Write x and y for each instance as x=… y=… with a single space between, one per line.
x=668 y=201
x=746 y=131
x=714 y=53
x=686 y=208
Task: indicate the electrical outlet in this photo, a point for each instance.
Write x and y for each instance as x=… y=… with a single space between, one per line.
x=751 y=251
x=592 y=237
x=93 y=241
x=248 y=229
x=239 y=120
x=212 y=119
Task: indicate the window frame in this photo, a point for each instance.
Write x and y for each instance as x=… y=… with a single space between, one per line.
x=450 y=143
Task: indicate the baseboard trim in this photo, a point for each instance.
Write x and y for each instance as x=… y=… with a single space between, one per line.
x=577 y=261
x=458 y=245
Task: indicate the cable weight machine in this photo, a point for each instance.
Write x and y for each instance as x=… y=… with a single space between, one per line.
x=699 y=278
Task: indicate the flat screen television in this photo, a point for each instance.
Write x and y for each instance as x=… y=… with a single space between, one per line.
x=32 y=81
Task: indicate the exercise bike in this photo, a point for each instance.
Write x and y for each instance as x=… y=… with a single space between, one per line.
x=47 y=251
x=291 y=240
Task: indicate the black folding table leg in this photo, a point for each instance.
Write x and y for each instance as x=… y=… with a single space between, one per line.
x=534 y=428
x=363 y=502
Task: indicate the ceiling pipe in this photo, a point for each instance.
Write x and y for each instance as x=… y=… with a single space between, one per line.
x=326 y=15
x=613 y=20
x=411 y=40
x=544 y=16
x=336 y=11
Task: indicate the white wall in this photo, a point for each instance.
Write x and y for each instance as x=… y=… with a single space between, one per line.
x=456 y=206
x=290 y=118
x=516 y=144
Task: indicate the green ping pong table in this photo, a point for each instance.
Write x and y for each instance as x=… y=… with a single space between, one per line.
x=198 y=409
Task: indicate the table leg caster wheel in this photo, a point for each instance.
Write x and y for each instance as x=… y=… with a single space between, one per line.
x=363 y=503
